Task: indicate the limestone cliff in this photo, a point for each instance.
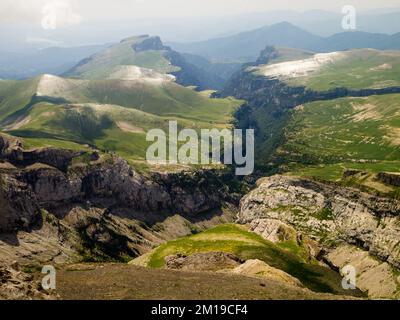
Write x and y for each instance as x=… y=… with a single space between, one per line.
x=59 y=205
x=337 y=218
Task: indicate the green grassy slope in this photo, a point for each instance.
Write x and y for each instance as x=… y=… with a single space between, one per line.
x=164 y=98
x=15 y=95
x=247 y=245
x=326 y=137
x=113 y=115
x=168 y=99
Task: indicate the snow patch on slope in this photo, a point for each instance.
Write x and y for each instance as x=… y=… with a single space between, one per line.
x=298 y=68
x=129 y=72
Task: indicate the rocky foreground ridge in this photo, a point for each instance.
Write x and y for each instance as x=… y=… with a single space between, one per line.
x=60 y=206
x=349 y=227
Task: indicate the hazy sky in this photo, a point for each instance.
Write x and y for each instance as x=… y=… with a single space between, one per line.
x=70 y=12
x=43 y=23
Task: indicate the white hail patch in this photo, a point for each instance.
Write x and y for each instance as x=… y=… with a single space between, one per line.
x=299 y=68
x=129 y=72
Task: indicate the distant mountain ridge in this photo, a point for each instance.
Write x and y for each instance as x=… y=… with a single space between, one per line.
x=246 y=46
x=53 y=60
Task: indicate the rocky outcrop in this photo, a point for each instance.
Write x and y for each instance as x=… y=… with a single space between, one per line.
x=273 y=230
x=8 y=144
x=328 y=213
x=11 y=150
x=266 y=55
x=19 y=209
x=392 y=179
x=208 y=261
x=117 y=183
x=149 y=43
x=372 y=276
x=277 y=231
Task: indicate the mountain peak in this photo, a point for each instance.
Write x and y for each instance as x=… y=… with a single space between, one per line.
x=284 y=24
x=149 y=43
x=287 y=26
x=144 y=43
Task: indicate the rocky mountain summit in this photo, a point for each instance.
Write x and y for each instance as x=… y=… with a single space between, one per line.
x=349 y=226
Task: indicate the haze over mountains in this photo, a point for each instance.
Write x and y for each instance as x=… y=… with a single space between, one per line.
x=21 y=36
x=231 y=51
x=246 y=46
x=54 y=60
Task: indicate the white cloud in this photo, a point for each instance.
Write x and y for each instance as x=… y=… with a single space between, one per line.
x=59 y=13
x=73 y=11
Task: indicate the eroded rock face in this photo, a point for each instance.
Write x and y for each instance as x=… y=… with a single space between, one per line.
x=330 y=214
x=372 y=275
x=113 y=181
x=277 y=231
x=50 y=185
x=273 y=230
x=18 y=205
x=94 y=206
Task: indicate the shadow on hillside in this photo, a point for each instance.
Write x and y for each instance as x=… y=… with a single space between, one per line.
x=153 y=218
x=148 y=219
x=10 y=239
